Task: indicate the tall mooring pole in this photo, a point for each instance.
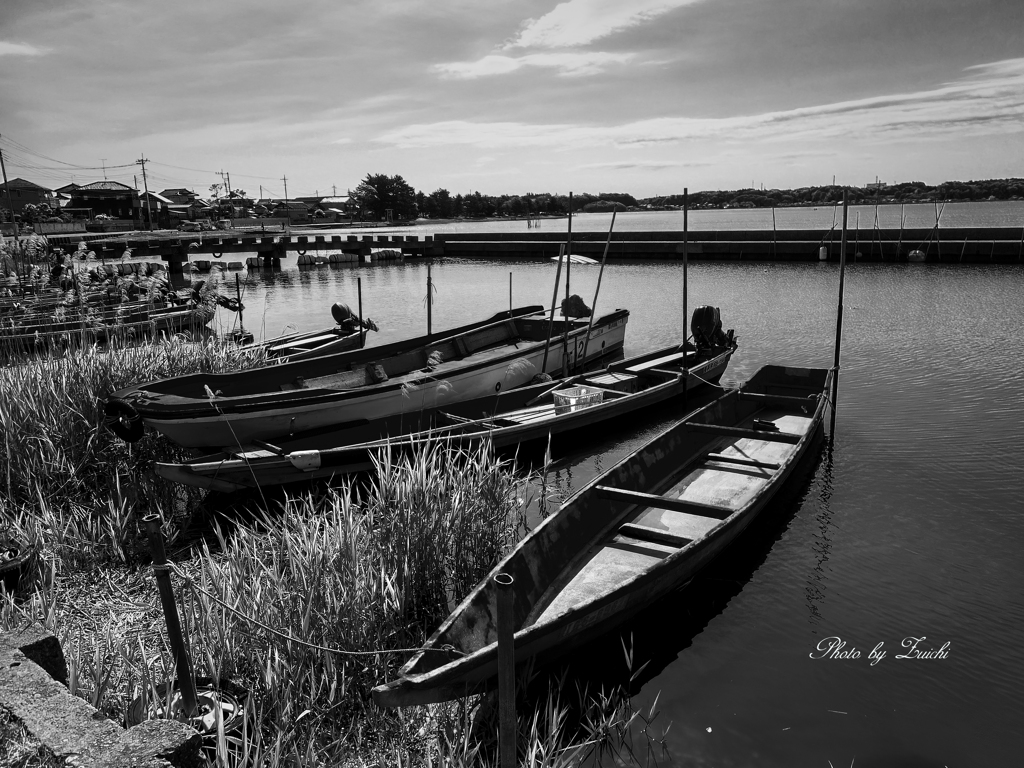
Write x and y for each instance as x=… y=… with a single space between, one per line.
x=839 y=324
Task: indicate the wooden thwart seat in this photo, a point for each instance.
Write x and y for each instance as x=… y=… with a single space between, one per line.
x=677 y=357
x=753 y=434
x=664 y=502
x=789 y=399
x=742 y=461
x=647 y=533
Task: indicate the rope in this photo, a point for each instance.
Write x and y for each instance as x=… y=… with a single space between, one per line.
x=291 y=638
x=709 y=383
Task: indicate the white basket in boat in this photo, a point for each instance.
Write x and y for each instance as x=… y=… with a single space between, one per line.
x=576 y=398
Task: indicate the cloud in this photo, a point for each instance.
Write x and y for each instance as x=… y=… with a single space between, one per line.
x=19 y=49
x=989 y=100
x=644 y=165
x=568 y=64
x=578 y=22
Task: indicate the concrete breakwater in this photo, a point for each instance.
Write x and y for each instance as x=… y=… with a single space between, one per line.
x=943 y=245
x=954 y=245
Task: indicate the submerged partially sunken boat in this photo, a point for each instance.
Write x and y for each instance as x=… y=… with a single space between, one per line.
x=213 y=411
x=636 y=532
x=531 y=413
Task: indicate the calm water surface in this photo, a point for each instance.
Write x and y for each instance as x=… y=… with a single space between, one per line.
x=913 y=526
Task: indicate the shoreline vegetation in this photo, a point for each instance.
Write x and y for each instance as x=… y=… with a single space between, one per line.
x=380 y=196
x=364 y=569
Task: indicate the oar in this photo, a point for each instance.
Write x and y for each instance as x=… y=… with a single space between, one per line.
x=554 y=299
x=593 y=308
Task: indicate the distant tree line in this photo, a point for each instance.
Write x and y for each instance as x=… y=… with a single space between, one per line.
x=379 y=193
x=379 y=197
x=903 y=192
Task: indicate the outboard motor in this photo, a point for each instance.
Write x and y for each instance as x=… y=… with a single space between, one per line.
x=706 y=327
x=343 y=317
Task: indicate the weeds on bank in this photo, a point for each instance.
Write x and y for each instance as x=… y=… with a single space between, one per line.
x=67 y=481
x=367 y=572
x=371 y=569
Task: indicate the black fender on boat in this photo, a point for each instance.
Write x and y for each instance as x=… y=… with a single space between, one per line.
x=123 y=420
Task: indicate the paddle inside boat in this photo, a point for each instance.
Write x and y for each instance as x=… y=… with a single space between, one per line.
x=211 y=411
x=531 y=413
x=633 y=534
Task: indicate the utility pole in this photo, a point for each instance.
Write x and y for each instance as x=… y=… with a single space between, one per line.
x=334 y=190
x=149 y=206
x=103 y=163
x=226 y=178
x=286 y=213
x=10 y=203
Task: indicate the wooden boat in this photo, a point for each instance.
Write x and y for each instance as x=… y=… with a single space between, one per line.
x=348 y=334
x=92 y=328
x=232 y=409
x=638 y=531
x=575 y=259
x=530 y=413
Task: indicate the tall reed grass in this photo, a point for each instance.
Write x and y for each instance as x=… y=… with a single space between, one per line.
x=62 y=470
x=367 y=571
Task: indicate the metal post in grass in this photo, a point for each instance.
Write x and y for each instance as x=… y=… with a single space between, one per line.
x=839 y=325
x=506 y=672
x=182 y=662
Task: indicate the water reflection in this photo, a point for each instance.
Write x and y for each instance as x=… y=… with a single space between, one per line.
x=822 y=541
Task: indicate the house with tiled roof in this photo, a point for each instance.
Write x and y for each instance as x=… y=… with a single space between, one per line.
x=24 y=192
x=107 y=197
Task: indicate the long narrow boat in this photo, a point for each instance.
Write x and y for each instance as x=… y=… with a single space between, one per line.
x=530 y=413
x=635 y=533
x=211 y=411
x=92 y=329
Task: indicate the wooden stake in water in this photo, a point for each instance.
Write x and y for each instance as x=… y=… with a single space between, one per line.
x=554 y=300
x=186 y=682
x=430 y=300
x=839 y=325
x=238 y=296
x=686 y=259
x=899 y=243
x=597 y=291
x=568 y=249
x=359 y=294
x=506 y=672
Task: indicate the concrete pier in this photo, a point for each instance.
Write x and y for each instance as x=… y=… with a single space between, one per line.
x=946 y=245
x=177 y=249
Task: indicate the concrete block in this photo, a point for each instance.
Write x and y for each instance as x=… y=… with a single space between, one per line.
x=68 y=726
x=40 y=647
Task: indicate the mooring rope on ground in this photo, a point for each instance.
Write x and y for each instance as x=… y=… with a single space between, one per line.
x=190 y=583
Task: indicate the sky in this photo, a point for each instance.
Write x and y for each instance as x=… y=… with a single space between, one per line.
x=640 y=96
